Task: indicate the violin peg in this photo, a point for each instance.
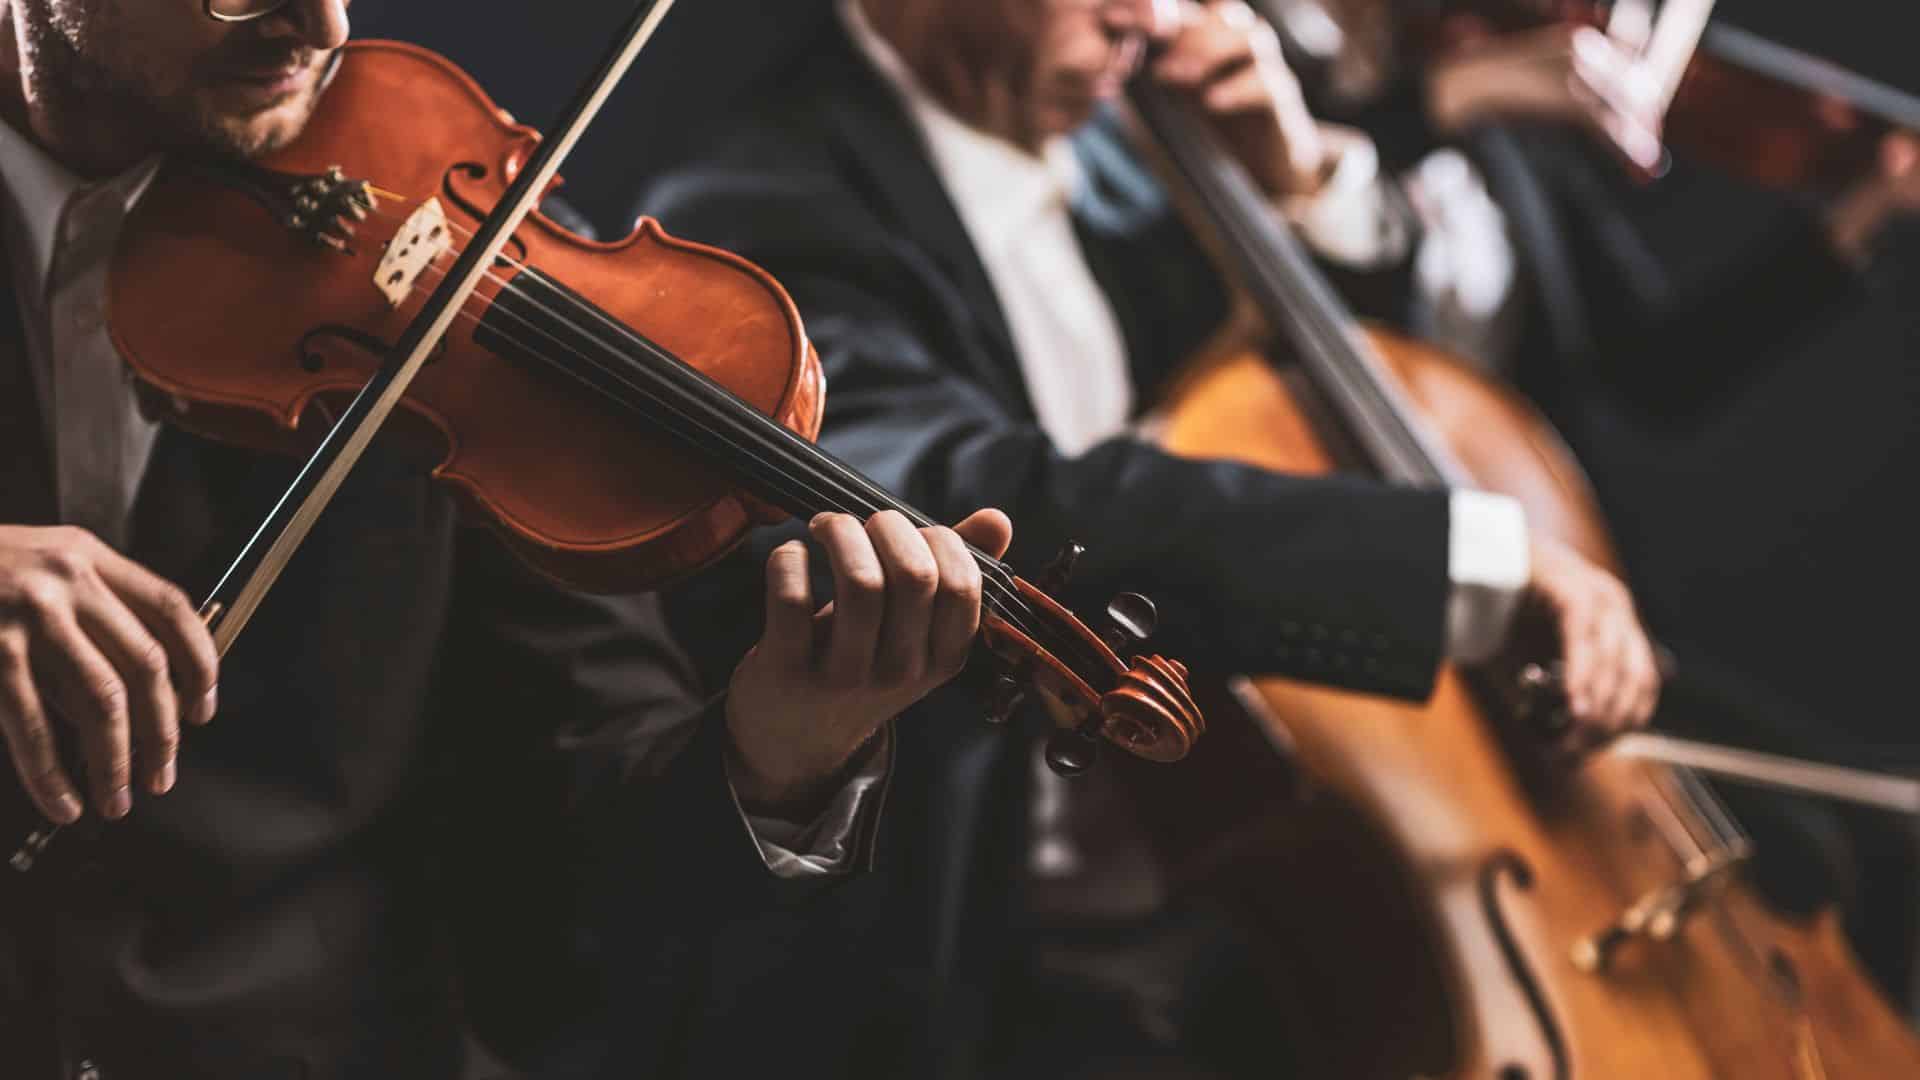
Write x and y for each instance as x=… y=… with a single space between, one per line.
x=1131 y=619
x=1070 y=753
x=1059 y=570
x=1004 y=697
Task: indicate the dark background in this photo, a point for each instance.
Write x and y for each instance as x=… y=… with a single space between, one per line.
x=530 y=57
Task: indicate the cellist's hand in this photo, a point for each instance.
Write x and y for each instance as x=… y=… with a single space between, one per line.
x=1229 y=59
x=1608 y=670
x=819 y=684
x=104 y=645
x=1570 y=74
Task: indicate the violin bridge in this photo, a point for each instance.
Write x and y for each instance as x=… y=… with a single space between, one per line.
x=421 y=239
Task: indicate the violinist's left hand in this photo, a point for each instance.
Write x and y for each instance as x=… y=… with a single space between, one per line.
x=820 y=683
x=1610 y=675
x=1229 y=59
x=1856 y=218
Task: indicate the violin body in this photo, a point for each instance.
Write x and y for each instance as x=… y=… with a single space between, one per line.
x=247 y=331
x=1423 y=898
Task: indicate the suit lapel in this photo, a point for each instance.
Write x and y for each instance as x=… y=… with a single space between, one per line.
x=878 y=136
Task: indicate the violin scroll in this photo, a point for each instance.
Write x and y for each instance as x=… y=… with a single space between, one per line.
x=1142 y=705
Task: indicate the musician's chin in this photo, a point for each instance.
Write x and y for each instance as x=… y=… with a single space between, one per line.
x=249 y=117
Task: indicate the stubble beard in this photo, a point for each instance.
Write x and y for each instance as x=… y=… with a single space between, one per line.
x=80 y=89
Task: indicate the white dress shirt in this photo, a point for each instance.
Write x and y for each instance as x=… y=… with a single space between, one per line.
x=60 y=234
x=1016 y=207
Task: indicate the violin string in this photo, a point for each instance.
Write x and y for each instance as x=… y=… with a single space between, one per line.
x=1000 y=594
x=1005 y=600
x=804 y=491
x=991 y=567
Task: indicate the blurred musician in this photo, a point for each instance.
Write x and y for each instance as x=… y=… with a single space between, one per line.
x=997 y=287
x=1674 y=330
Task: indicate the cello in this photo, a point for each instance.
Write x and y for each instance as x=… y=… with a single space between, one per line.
x=1435 y=899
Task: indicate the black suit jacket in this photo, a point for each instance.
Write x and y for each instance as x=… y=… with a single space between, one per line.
x=434 y=800
x=830 y=188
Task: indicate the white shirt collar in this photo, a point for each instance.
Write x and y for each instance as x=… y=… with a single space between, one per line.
x=998 y=187
x=41 y=189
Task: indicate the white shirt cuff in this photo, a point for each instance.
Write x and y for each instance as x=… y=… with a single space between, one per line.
x=824 y=845
x=1352 y=220
x=1489 y=563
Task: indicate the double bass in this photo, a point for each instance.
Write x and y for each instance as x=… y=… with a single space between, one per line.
x=1430 y=898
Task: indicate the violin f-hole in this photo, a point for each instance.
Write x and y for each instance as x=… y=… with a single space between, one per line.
x=474 y=171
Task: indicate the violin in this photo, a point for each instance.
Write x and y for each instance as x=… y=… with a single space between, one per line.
x=1429 y=896
x=621 y=414
x=1761 y=110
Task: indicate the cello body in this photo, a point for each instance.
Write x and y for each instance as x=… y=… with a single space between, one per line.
x=1424 y=901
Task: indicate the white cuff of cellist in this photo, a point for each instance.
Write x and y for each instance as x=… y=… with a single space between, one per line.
x=1489 y=563
x=1352 y=220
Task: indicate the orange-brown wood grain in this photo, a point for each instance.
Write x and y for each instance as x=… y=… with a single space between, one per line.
x=1384 y=894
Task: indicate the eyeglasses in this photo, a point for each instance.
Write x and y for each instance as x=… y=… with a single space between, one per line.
x=238 y=11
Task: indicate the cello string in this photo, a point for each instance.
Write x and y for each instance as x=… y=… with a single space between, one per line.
x=1326 y=333
x=1715 y=809
x=1687 y=845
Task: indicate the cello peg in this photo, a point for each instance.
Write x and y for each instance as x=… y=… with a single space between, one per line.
x=1131 y=619
x=1059 y=570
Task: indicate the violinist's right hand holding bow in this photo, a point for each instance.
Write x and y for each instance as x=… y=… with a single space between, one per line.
x=112 y=651
x=94 y=643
